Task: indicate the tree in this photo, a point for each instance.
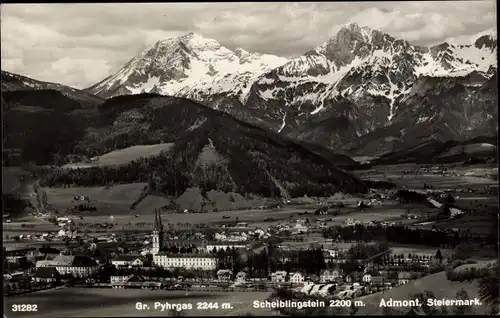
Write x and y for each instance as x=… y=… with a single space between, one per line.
x=423 y=297
x=489 y=288
x=462 y=251
x=462 y=310
x=106 y=272
x=439 y=256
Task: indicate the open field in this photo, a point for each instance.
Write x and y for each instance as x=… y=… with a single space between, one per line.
x=93 y=302
x=123 y=156
x=122 y=194
x=437 y=283
x=420 y=250
x=456 y=176
x=13 y=245
x=457 y=179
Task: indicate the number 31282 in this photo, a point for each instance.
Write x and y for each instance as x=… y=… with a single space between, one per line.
x=24 y=308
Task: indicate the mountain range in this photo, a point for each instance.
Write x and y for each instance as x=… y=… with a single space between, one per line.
x=15 y=82
x=362 y=91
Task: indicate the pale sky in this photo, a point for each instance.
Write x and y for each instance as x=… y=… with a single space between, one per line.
x=80 y=44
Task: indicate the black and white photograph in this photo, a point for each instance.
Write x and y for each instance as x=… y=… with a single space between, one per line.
x=249 y=159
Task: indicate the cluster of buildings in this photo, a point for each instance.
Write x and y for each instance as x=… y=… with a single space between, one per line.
x=301 y=226
x=77 y=265
x=205 y=259
x=243 y=234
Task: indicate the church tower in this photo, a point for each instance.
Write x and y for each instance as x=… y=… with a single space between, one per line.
x=157 y=234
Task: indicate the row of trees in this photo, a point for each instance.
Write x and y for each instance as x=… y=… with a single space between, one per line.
x=271 y=259
x=26 y=286
x=402 y=235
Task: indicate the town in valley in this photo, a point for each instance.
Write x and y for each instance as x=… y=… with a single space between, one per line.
x=200 y=179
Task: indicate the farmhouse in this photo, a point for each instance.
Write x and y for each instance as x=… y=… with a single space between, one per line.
x=46 y=274
x=296 y=278
x=329 y=276
x=333 y=252
x=224 y=274
x=133 y=281
x=241 y=277
x=367 y=278
x=278 y=276
x=404 y=278
x=120 y=279
x=78 y=265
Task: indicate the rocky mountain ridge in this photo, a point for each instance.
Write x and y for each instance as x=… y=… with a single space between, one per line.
x=353 y=83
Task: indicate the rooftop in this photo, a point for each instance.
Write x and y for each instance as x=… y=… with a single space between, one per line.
x=186 y=255
x=228 y=243
x=127 y=257
x=69 y=260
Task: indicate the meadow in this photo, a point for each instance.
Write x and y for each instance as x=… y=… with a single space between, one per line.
x=123 y=156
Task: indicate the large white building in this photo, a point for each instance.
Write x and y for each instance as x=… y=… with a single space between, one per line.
x=184 y=260
x=78 y=265
x=188 y=261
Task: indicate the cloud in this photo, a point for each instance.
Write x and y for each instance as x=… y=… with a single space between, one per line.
x=80 y=44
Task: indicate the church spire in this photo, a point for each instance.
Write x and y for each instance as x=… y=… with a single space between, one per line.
x=156 y=225
x=160 y=223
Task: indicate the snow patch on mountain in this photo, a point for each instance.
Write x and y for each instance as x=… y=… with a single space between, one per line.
x=366 y=67
x=189 y=66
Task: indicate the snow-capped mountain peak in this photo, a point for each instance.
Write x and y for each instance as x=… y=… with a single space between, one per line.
x=357 y=76
x=188 y=65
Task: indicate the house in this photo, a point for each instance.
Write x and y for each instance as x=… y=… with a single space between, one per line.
x=128 y=261
x=348 y=279
x=404 y=278
x=278 y=277
x=134 y=281
x=329 y=276
x=259 y=232
x=333 y=253
x=78 y=265
x=224 y=274
x=367 y=278
x=296 y=278
x=241 y=277
x=46 y=274
x=119 y=279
